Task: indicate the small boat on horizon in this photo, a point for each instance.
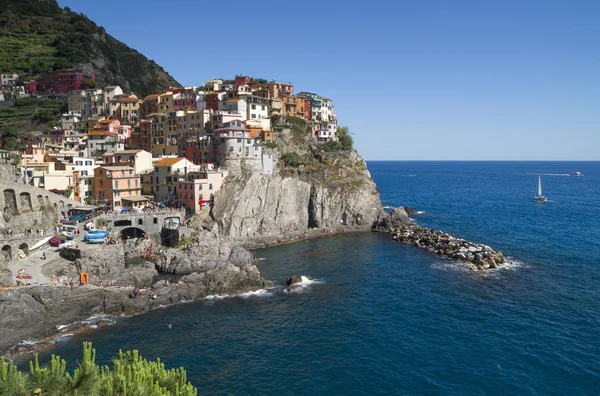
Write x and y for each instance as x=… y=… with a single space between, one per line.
x=575 y=174
x=539 y=197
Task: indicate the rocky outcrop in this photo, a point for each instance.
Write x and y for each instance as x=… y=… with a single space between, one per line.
x=477 y=256
x=252 y=204
x=398 y=217
x=296 y=282
x=104 y=264
x=36 y=312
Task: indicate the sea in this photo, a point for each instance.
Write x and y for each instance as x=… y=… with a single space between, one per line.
x=380 y=317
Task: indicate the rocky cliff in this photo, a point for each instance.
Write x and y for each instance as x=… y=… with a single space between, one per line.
x=325 y=188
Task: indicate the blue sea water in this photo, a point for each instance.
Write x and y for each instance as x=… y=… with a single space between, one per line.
x=387 y=318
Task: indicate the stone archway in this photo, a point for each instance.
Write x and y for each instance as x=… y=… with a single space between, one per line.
x=25 y=199
x=7 y=251
x=61 y=203
x=25 y=248
x=10 y=201
x=122 y=223
x=132 y=232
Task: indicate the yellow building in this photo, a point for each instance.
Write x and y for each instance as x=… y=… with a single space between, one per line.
x=163 y=130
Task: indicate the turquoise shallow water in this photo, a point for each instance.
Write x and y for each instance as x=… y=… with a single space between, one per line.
x=390 y=318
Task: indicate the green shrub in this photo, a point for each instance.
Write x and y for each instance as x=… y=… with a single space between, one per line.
x=291 y=158
x=130 y=374
x=272 y=145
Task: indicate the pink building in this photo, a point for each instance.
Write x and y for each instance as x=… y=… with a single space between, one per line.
x=108 y=125
x=199 y=188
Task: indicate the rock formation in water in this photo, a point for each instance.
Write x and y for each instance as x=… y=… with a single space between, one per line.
x=476 y=256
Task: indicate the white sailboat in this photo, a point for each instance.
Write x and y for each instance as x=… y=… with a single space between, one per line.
x=539 y=197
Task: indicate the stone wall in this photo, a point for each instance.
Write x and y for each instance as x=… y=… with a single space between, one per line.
x=27 y=207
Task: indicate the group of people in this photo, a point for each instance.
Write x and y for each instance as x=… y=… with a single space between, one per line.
x=136 y=292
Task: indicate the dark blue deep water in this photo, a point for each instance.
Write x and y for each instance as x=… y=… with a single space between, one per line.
x=392 y=319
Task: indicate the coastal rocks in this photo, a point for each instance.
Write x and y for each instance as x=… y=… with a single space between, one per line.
x=205 y=252
x=388 y=222
x=296 y=282
x=476 y=256
x=104 y=265
x=37 y=312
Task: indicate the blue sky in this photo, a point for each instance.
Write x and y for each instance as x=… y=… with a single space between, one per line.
x=414 y=80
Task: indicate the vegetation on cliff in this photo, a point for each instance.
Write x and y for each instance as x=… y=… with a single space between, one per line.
x=37 y=36
x=27 y=114
x=130 y=375
x=333 y=164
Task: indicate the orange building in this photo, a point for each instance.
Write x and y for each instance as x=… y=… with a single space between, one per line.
x=115 y=184
x=294 y=106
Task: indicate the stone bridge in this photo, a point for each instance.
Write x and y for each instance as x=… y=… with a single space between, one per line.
x=138 y=224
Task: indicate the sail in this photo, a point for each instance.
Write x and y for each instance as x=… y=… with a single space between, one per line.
x=539 y=185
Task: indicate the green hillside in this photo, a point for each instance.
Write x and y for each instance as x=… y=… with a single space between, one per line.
x=37 y=36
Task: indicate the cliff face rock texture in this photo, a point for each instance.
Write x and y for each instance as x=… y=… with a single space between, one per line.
x=323 y=189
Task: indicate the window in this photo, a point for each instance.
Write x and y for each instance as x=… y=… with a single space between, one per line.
x=155 y=220
x=91 y=145
x=136 y=183
x=116 y=184
x=128 y=183
x=210 y=186
x=101 y=183
x=239 y=140
x=253 y=115
x=156 y=179
x=200 y=187
x=100 y=172
x=253 y=107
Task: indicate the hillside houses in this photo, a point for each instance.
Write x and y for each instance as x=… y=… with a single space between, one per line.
x=174 y=146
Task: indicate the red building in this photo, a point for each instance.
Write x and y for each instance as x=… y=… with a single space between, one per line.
x=307 y=113
x=63 y=81
x=141 y=137
x=31 y=87
x=212 y=100
x=241 y=80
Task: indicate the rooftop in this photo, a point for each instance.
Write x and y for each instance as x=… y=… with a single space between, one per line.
x=168 y=161
x=116 y=168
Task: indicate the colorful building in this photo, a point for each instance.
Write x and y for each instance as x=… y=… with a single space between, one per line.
x=277 y=89
x=141 y=136
x=197 y=189
x=167 y=172
x=113 y=184
x=63 y=81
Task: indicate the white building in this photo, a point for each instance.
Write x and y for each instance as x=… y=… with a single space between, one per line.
x=85 y=167
x=167 y=172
